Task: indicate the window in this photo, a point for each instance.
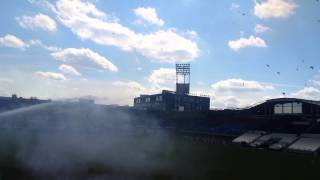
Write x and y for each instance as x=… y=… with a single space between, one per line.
x=278 y=109
x=296 y=108
x=158 y=98
x=148 y=99
x=288 y=108
x=138 y=100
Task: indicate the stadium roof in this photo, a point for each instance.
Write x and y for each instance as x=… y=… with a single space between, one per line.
x=293 y=99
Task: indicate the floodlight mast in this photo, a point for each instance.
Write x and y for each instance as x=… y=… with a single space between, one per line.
x=182 y=79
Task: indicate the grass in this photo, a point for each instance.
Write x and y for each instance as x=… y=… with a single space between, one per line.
x=142 y=156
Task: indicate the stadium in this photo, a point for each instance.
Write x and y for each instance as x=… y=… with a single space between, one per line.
x=171 y=135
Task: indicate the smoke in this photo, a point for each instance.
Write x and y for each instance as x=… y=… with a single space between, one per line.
x=77 y=139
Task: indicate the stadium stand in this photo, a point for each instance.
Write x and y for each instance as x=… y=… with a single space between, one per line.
x=284 y=140
x=263 y=141
x=308 y=143
x=248 y=137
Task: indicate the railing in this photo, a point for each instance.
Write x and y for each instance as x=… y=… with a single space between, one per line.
x=189 y=94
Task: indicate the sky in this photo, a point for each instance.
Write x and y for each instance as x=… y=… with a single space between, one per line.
x=241 y=52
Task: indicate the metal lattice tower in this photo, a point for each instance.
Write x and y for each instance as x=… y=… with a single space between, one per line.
x=182 y=78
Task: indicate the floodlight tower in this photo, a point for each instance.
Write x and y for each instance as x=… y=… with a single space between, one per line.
x=182 y=79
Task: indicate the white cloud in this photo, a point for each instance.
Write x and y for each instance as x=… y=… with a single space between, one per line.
x=316 y=79
x=6 y=80
x=162 y=78
x=149 y=14
x=85 y=57
x=13 y=42
x=200 y=83
x=67 y=69
x=50 y=75
x=234 y=6
x=239 y=85
x=311 y=93
x=127 y=90
x=274 y=9
x=241 y=33
x=226 y=102
x=38 y=21
x=191 y=34
x=238 y=93
x=88 y=23
x=130 y=84
x=123 y=92
x=261 y=29
x=42 y=45
x=252 y=41
x=167 y=46
x=103 y=91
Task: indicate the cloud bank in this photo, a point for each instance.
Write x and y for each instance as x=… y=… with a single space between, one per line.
x=41 y=21
x=89 y=23
x=274 y=9
x=149 y=14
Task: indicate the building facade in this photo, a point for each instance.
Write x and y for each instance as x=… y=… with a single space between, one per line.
x=14 y=102
x=288 y=106
x=180 y=100
x=171 y=101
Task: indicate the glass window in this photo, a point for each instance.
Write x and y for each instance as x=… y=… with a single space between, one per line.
x=287 y=108
x=181 y=108
x=158 y=98
x=278 y=109
x=297 y=108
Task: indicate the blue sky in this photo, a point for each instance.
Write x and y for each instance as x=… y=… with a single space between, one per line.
x=113 y=51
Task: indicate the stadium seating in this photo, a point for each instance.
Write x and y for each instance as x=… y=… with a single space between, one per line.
x=284 y=140
x=307 y=143
x=248 y=137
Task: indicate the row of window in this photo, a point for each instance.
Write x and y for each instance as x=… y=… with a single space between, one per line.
x=148 y=99
x=288 y=108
